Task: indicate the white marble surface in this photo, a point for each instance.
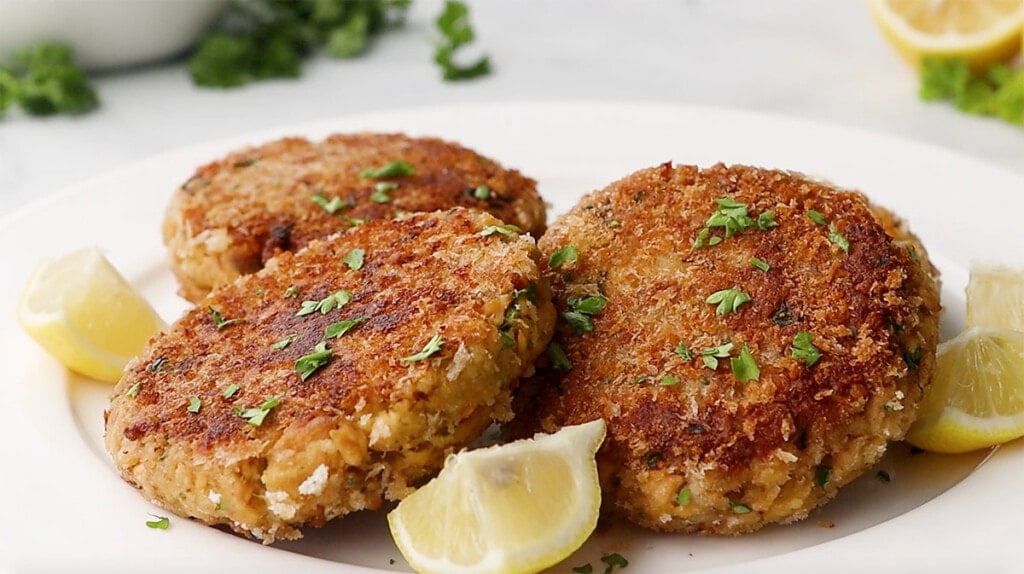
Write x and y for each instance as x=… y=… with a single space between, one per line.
x=820 y=61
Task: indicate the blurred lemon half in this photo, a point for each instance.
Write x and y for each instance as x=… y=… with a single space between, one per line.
x=980 y=31
x=514 y=508
x=84 y=313
x=995 y=296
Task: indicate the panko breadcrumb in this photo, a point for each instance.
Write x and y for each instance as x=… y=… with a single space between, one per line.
x=235 y=213
x=334 y=378
x=762 y=337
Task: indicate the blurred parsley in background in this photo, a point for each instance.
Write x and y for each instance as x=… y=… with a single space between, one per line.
x=999 y=92
x=44 y=80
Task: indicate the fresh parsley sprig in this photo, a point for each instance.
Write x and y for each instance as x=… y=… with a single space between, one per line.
x=44 y=80
x=999 y=92
x=456 y=32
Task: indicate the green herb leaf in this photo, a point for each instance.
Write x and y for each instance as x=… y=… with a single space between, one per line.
x=744 y=367
x=291 y=292
x=350 y=38
x=728 y=300
x=44 y=80
x=683 y=497
x=559 y=360
x=220 y=322
x=766 y=220
x=397 y=168
x=283 y=343
x=230 y=390
x=335 y=300
x=614 y=560
x=354 y=260
x=999 y=93
x=738 y=507
x=584 y=569
x=256 y=415
x=838 y=238
x=194 y=404
x=883 y=475
x=432 y=346
x=588 y=305
x=683 y=351
x=913 y=358
x=157 y=365
x=816 y=217
x=332 y=205
x=710 y=355
x=456 y=32
x=308 y=364
x=760 y=264
x=567 y=254
x=668 y=380
x=160 y=522
x=482 y=192
x=507 y=230
x=803 y=349
x=822 y=476
x=341 y=327
x=133 y=391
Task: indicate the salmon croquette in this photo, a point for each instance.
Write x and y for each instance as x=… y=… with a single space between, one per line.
x=335 y=377
x=753 y=339
x=234 y=214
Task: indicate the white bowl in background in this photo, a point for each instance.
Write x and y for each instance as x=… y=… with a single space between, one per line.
x=107 y=34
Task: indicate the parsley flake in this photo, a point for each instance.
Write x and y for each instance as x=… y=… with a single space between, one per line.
x=220 y=322
x=332 y=205
x=559 y=360
x=392 y=169
x=760 y=264
x=507 y=230
x=432 y=346
x=739 y=507
x=160 y=522
x=335 y=300
x=307 y=364
x=256 y=415
x=567 y=254
x=683 y=497
x=683 y=351
x=157 y=365
x=230 y=390
x=816 y=217
x=134 y=390
x=822 y=476
x=728 y=300
x=380 y=191
x=482 y=192
x=581 y=311
x=456 y=32
x=194 y=404
x=584 y=568
x=291 y=292
x=283 y=343
x=803 y=349
x=341 y=327
x=614 y=560
x=668 y=380
x=744 y=367
x=710 y=355
x=884 y=476
x=354 y=259
x=837 y=238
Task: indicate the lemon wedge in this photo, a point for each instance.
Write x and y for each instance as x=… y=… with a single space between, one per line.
x=513 y=508
x=995 y=297
x=84 y=313
x=976 y=397
x=980 y=31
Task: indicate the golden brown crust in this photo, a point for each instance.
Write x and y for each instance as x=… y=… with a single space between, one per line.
x=758 y=443
x=234 y=214
x=378 y=423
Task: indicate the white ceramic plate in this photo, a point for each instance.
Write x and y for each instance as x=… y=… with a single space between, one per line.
x=66 y=510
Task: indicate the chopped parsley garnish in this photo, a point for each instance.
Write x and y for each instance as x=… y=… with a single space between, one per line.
x=45 y=80
x=614 y=560
x=913 y=358
x=332 y=205
x=581 y=311
x=134 y=390
x=744 y=367
x=782 y=316
x=482 y=192
x=822 y=476
x=335 y=300
x=256 y=415
x=559 y=361
x=456 y=32
x=341 y=327
x=732 y=216
x=711 y=355
x=194 y=404
x=683 y=351
x=883 y=475
x=683 y=496
x=584 y=569
x=307 y=364
x=160 y=522
x=508 y=230
x=291 y=292
x=380 y=191
x=816 y=217
x=354 y=259
x=220 y=322
x=728 y=300
x=566 y=254
x=432 y=346
x=803 y=349
x=739 y=507
x=397 y=168
x=283 y=343
x=668 y=380
x=837 y=238
x=230 y=390
x=759 y=263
